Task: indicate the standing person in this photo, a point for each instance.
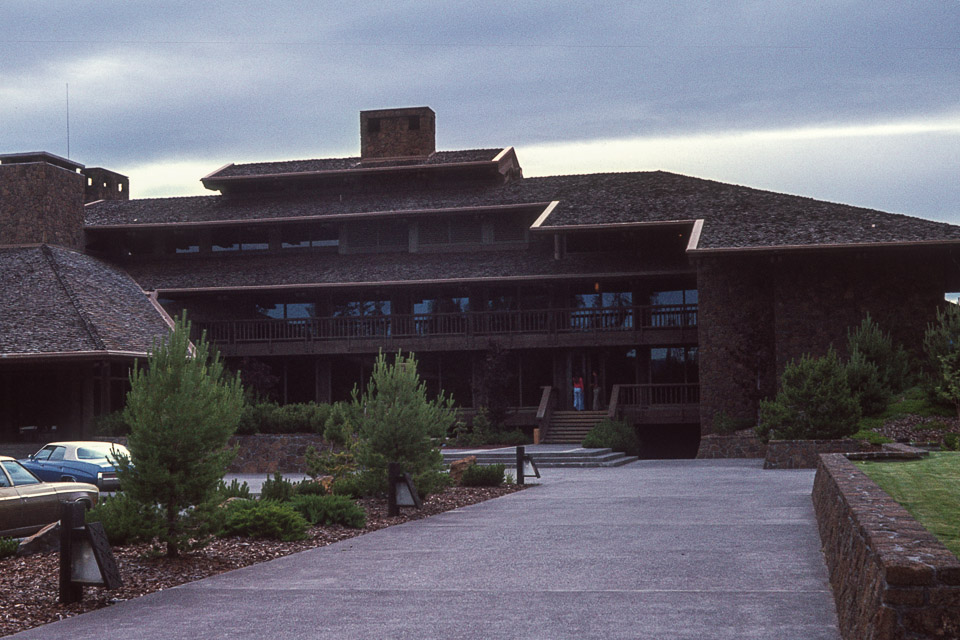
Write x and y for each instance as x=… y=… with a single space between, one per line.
x=578 y=393
x=595 y=384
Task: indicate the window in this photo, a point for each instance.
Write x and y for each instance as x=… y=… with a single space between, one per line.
x=509 y=229
x=380 y=234
x=254 y=239
x=302 y=236
x=18 y=474
x=455 y=231
x=226 y=240
x=182 y=242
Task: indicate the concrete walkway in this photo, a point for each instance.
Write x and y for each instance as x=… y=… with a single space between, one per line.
x=656 y=549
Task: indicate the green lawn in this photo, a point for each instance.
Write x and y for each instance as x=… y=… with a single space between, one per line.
x=929 y=489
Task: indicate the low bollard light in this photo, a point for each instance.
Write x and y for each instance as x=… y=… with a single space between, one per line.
x=85 y=555
x=401 y=491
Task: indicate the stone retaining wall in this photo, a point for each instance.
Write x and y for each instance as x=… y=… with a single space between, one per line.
x=736 y=445
x=891 y=578
x=267 y=452
x=804 y=454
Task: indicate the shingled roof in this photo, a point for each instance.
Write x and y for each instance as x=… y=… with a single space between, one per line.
x=733 y=217
x=58 y=301
x=289 y=167
x=330 y=269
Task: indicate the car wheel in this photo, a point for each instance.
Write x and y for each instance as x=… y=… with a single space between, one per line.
x=68 y=479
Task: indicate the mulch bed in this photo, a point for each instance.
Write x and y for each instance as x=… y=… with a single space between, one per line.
x=28 y=586
x=912 y=428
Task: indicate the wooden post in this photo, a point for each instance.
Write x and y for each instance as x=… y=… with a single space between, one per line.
x=521 y=451
x=71 y=516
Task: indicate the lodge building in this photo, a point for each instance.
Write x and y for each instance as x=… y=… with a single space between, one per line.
x=685 y=297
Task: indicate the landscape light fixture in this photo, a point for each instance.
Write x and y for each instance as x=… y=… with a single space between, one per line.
x=401 y=491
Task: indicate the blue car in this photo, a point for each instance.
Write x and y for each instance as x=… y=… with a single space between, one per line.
x=90 y=462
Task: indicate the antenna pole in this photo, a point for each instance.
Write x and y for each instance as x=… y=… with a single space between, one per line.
x=68 y=120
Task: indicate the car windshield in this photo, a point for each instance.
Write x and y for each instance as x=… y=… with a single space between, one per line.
x=100 y=452
x=18 y=474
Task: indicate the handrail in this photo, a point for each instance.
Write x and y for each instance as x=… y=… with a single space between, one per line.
x=650 y=395
x=466 y=323
x=548 y=402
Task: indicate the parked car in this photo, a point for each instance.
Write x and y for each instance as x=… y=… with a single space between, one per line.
x=27 y=504
x=92 y=462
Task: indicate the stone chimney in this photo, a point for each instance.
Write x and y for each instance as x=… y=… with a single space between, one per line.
x=41 y=200
x=103 y=184
x=397 y=133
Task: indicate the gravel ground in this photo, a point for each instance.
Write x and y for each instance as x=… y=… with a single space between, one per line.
x=28 y=586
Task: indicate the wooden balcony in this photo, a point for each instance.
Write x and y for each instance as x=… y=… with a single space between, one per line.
x=664 y=324
x=655 y=403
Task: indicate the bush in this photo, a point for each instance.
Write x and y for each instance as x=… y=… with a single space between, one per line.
x=951 y=442
x=277 y=489
x=8 y=547
x=111 y=425
x=725 y=425
x=613 y=434
x=871 y=436
x=270 y=417
x=431 y=483
x=814 y=402
x=340 y=427
x=125 y=520
x=876 y=347
x=866 y=385
x=309 y=488
x=512 y=438
x=325 y=510
x=328 y=462
x=359 y=485
x=234 y=490
x=255 y=415
x=263 y=519
x=482 y=475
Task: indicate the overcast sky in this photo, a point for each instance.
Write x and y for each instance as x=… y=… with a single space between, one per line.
x=857 y=102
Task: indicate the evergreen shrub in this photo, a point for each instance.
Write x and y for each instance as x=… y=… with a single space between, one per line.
x=182 y=408
x=876 y=347
x=483 y=475
x=233 y=490
x=431 y=483
x=326 y=510
x=340 y=428
x=814 y=402
x=951 y=442
x=396 y=420
x=277 y=488
x=865 y=383
x=263 y=519
x=8 y=547
x=125 y=520
x=613 y=434
x=309 y=488
x=359 y=485
x=111 y=425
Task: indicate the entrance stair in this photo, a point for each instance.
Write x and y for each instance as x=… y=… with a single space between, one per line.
x=570 y=427
x=546 y=456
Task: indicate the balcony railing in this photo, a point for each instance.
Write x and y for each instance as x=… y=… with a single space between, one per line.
x=647 y=396
x=467 y=323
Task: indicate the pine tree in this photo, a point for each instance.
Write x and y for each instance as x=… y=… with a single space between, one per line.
x=182 y=409
x=396 y=421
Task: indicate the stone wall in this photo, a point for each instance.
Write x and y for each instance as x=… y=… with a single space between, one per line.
x=41 y=203
x=736 y=445
x=805 y=454
x=735 y=327
x=757 y=313
x=891 y=578
x=266 y=453
x=394 y=133
x=817 y=300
